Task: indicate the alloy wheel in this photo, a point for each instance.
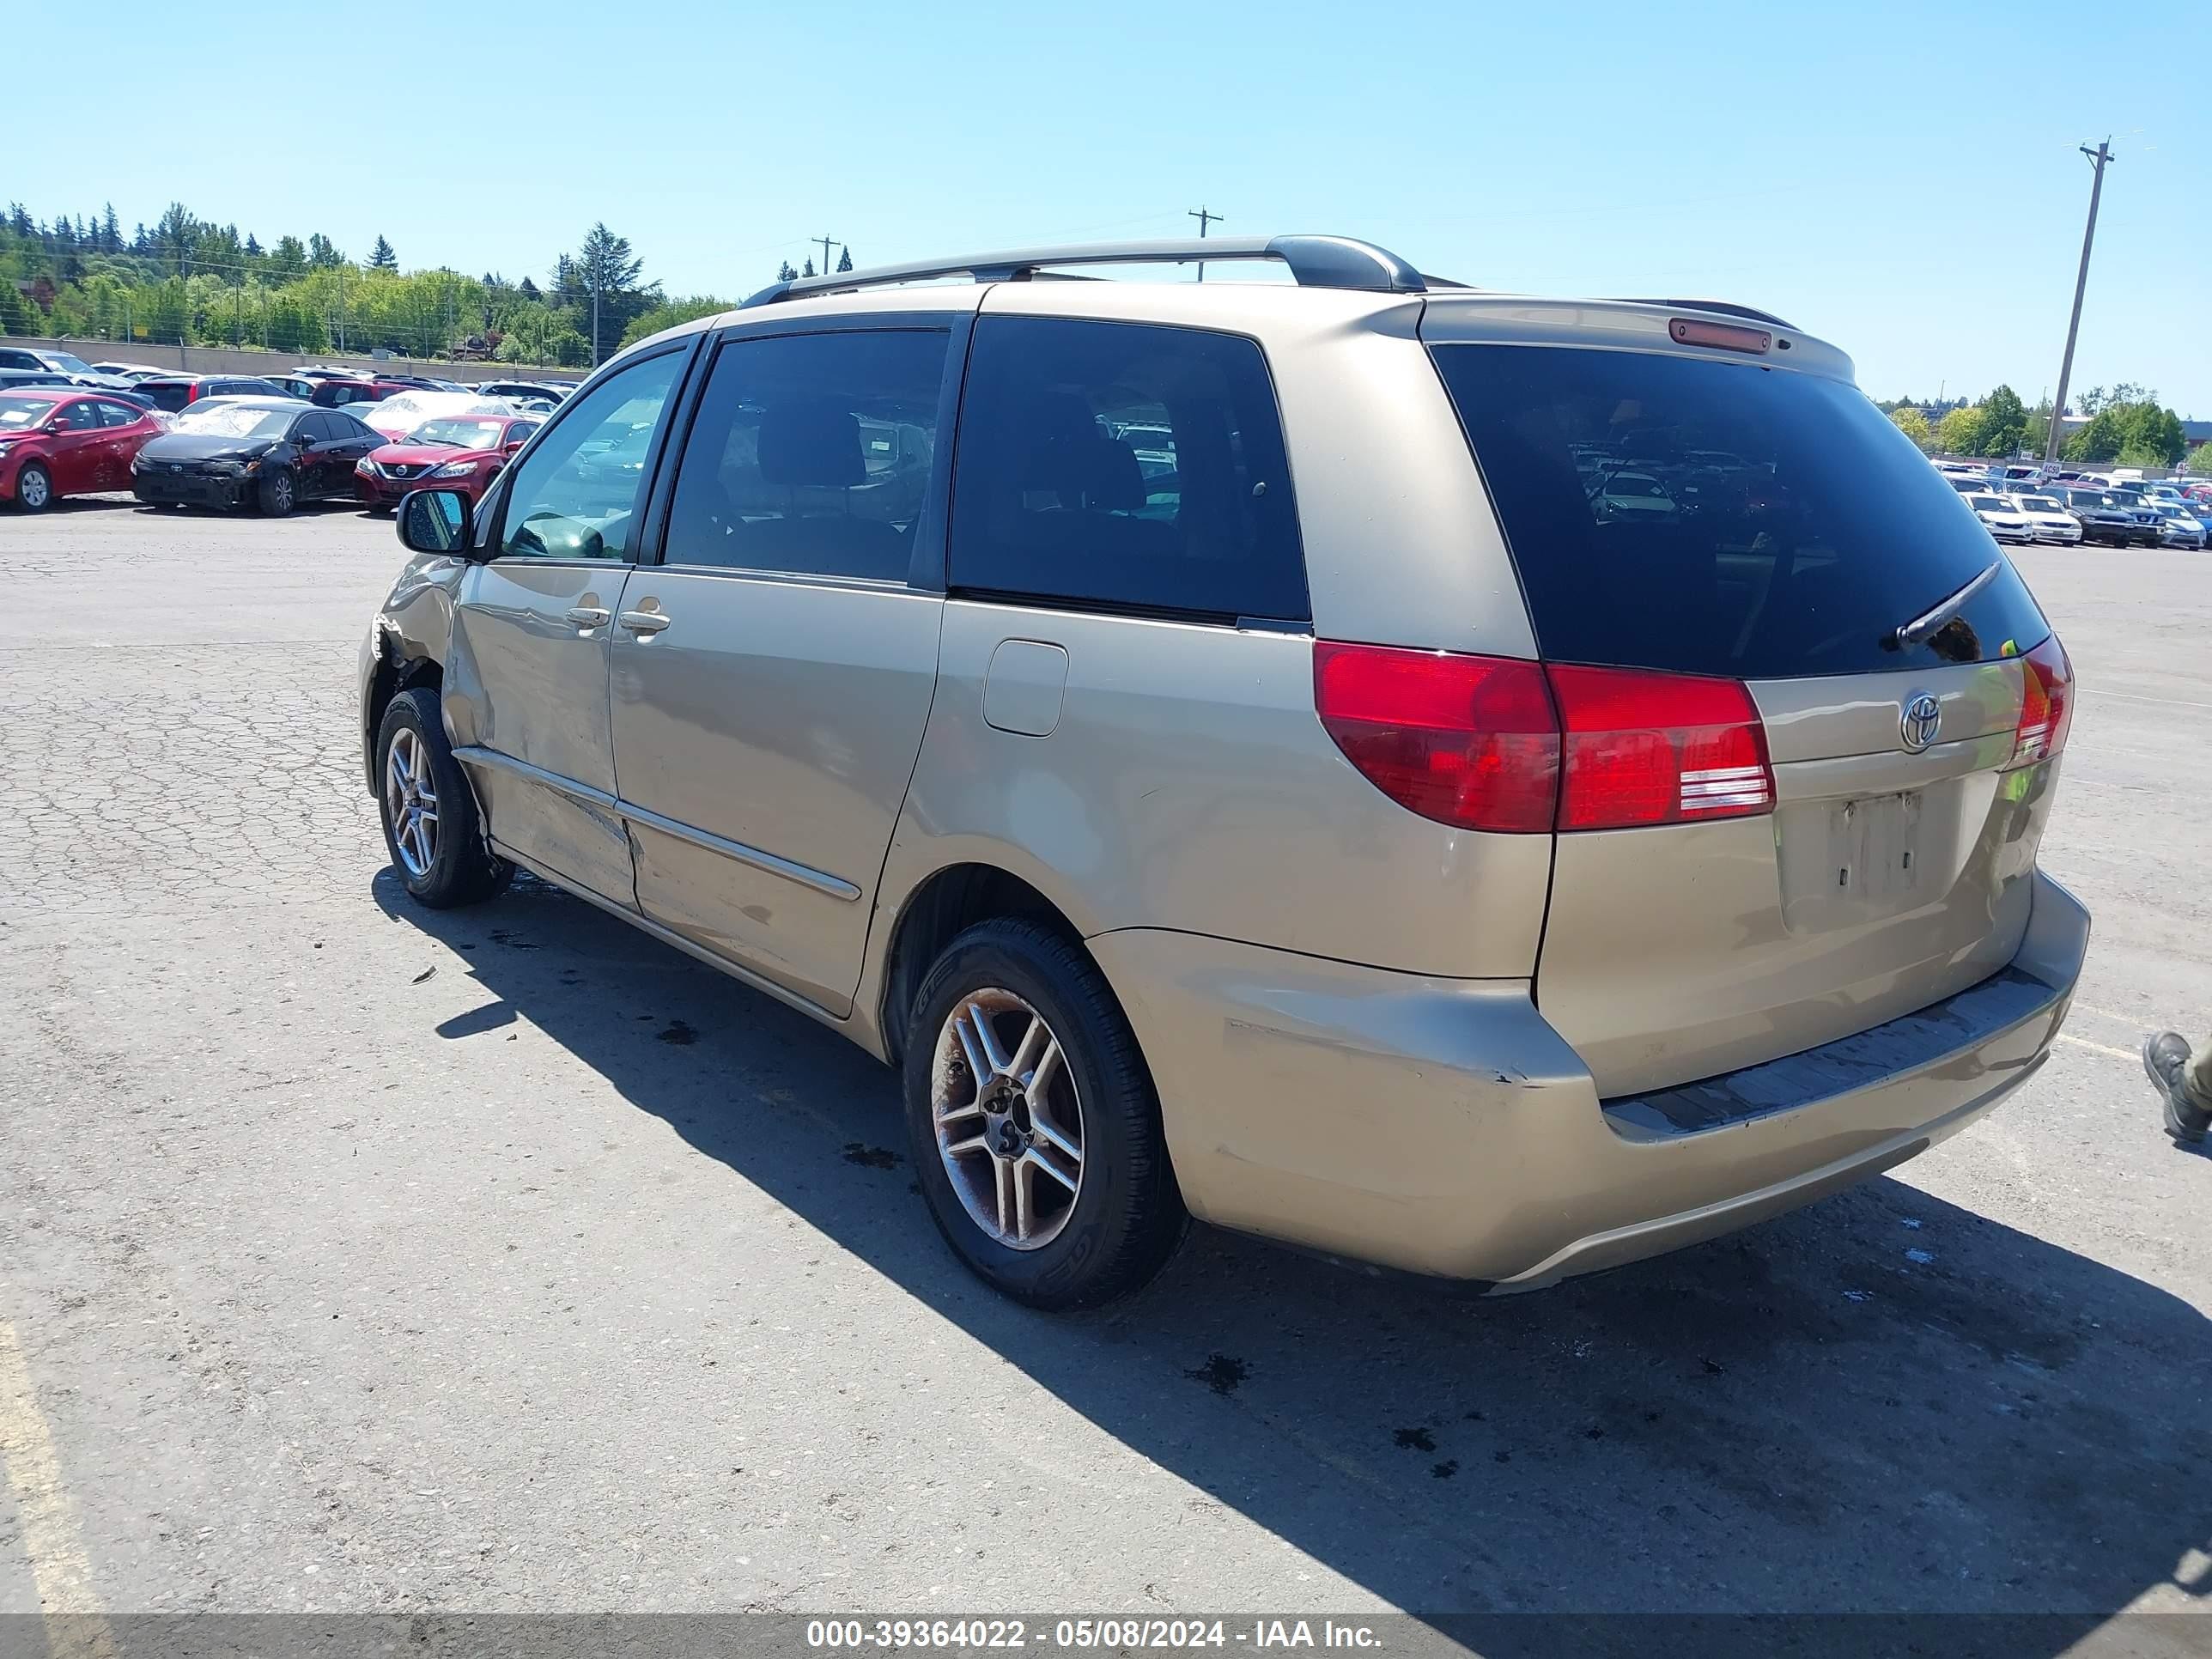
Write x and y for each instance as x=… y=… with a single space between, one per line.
x=1009 y=1121
x=411 y=802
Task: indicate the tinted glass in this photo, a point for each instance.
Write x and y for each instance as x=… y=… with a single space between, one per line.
x=1820 y=531
x=117 y=414
x=82 y=417
x=1122 y=466
x=171 y=395
x=575 y=496
x=811 y=453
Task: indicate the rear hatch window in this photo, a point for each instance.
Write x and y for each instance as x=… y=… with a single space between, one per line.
x=1864 y=849
x=1717 y=517
x=171 y=395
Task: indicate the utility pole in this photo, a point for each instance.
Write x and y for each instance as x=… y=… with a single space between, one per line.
x=341 y=308
x=595 y=316
x=825 y=241
x=1205 y=218
x=2098 y=158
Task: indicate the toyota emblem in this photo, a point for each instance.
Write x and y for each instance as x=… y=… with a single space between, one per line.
x=1917 y=721
x=173 y=467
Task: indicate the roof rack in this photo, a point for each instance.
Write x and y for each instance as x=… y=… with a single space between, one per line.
x=1315 y=262
x=1724 y=307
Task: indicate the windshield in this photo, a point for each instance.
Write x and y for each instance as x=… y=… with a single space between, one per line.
x=1805 y=527
x=17 y=413
x=2038 y=504
x=67 y=363
x=233 y=421
x=459 y=434
x=1990 y=503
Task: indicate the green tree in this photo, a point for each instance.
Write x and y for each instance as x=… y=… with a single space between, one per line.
x=667 y=314
x=844 y=259
x=1960 y=432
x=784 y=273
x=1913 y=424
x=381 y=257
x=288 y=260
x=607 y=277
x=15 y=312
x=323 y=253
x=2004 y=423
x=2156 y=431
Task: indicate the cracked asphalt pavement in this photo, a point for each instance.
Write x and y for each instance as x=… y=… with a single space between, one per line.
x=357 y=1258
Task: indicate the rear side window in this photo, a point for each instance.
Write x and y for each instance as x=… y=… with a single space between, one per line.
x=170 y=395
x=811 y=453
x=1121 y=465
x=117 y=414
x=1717 y=517
x=83 y=416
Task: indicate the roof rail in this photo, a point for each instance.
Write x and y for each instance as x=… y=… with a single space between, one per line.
x=1724 y=307
x=1315 y=262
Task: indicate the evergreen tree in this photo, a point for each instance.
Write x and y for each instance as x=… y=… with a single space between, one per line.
x=252 y=247
x=381 y=257
x=323 y=253
x=844 y=259
x=784 y=273
x=808 y=269
x=528 y=290
x=111 y=233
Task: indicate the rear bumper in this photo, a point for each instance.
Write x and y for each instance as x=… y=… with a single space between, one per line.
x=1444 y=1127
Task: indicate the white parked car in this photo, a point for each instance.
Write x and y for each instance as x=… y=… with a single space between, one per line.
x=2001 y=517
x=401 y=413
x=2047 y=520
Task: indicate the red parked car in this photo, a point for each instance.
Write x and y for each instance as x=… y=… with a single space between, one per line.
x=459 y=451
x=55 y=442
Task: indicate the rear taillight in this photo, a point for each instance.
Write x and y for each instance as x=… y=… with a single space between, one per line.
x=1498 y=744
x=1642 y=748
x=1469 y=741
x=2046 y=704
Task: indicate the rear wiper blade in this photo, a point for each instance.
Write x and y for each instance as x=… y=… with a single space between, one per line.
x=1930 y=621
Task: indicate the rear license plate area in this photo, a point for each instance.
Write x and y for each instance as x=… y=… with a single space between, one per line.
x=1851 y=860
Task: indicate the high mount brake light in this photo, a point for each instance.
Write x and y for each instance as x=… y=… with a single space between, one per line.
x=1501 y=745
x=1728 y=337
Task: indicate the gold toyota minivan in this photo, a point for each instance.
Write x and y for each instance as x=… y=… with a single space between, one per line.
x=1491 y=786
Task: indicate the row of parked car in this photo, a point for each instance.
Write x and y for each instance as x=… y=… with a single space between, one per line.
x=2021 y=504
x=266 y=444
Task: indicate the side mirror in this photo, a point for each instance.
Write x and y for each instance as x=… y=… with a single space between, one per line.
x=514 y=446
x=434 y=521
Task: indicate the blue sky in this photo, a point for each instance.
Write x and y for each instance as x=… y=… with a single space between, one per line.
x=1902 y=181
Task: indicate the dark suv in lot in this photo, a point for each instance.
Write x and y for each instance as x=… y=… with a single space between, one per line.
x=2105 y=516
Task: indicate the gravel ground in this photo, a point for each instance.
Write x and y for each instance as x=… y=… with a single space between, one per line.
x=357 y=1258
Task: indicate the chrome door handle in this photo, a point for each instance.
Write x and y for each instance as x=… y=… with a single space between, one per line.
x=643 y=622
x=589 y=616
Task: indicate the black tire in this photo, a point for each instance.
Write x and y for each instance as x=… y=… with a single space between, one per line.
x=462 y=869
x=1127 y=1214
x=40 y=496
x=279 y=494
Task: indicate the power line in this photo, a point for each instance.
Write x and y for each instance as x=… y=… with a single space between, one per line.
x=2098 y=158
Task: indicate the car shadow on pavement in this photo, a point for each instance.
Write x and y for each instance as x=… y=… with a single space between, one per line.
x=1884 y=1403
